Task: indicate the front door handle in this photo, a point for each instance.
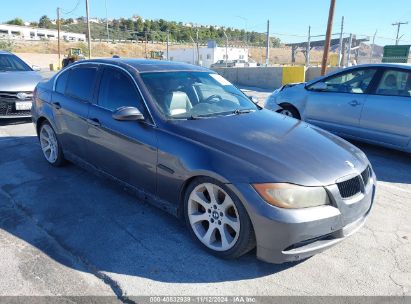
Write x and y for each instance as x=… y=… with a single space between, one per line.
x=94 y=121
x=57 y=105
x=354 y=103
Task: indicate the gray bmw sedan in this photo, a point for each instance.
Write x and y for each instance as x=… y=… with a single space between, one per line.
x=185 y=139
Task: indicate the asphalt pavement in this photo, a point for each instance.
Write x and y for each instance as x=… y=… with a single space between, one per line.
x=64 y=231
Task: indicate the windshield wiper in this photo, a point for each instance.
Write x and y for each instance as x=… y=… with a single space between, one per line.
x=236 y=112
x=193 y=117
x=197 y=117
x=243 y=111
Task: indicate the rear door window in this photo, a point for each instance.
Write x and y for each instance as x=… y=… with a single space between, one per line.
x=62 y=82
x=395 y=83
x=81 y=82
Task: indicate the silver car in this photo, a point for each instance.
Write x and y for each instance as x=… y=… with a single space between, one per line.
x=17 y=83
x=370 y=103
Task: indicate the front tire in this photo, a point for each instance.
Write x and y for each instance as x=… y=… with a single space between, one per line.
x=290 y=111
x=217 y=219
x=50 y=145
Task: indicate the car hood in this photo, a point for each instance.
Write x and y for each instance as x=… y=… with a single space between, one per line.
x=276 y=148
x=19 y=81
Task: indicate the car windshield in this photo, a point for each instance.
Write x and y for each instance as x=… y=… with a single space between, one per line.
x=11 y=63
x=190 y=95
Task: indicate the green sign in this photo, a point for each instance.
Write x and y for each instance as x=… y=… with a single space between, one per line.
x=396 y=53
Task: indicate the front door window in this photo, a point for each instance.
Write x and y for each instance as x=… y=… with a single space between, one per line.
x=354 y=81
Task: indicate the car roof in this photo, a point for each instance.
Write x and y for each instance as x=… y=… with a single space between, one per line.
x=150 y=65
x=387 y=65
x=405 y=66
x=4 y=53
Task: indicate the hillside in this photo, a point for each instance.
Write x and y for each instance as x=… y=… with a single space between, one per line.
x=140 y=29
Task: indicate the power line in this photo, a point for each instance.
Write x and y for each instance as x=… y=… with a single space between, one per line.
x=72 y=10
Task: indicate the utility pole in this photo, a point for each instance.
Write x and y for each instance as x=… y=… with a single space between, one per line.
x=168 y=42
x=108 y=33
x=226 y=49
x=398 y=25
x=349 y=51
x=328 y=37
x=145 y=45
x=194 y=49
x=372 y=45
x=308 y=49
x=88 y=31
x=267 y=51
x=340 y=51
x=198 y=49
x=58 y=37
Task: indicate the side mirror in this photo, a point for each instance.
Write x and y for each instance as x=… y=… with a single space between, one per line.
x=254 y=99
x=319 y=86
x=36 y=68
x=128 y=114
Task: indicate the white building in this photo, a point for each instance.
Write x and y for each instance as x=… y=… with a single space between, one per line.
x=208 y=55
x=16 y=32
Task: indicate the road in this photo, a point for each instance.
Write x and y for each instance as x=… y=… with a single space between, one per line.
x=64 y=231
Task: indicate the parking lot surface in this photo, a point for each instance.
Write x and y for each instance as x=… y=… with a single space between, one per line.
x=64 y=231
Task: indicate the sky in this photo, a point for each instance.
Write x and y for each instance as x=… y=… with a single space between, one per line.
x=289 y=20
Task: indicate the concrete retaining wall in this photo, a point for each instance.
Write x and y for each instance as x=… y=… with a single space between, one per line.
x=267 y=78
x=315 y=72
x=263 y=77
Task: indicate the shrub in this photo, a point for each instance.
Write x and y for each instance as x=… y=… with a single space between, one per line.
x=6 y=45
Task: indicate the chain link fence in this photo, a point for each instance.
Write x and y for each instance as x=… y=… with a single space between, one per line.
x=157 y=44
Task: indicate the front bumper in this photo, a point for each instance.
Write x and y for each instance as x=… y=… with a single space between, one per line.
x=286 y=235
x=8 y=110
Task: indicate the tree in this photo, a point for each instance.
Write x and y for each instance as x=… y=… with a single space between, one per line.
x=16 y=21
x=129 y=23
x=139 y=25
x=45 y=22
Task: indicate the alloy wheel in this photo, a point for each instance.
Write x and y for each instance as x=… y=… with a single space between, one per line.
x=287 y=113
x=213 y=217
x=48 y=142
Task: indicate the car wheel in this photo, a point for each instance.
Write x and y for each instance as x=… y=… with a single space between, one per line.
x=289 y=111
x=217 y=218
x=50 y=145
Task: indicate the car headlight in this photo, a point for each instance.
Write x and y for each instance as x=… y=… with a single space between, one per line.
x=271 y=99
x=277 y=91
x=292 y=196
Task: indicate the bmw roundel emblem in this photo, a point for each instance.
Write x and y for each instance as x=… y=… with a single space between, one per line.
x=350 y=164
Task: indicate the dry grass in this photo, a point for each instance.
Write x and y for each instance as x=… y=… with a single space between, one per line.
x=141 y=50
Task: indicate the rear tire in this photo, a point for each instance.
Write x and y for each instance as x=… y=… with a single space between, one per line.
x=217 y=219
x=290 y=111
x=50 y=145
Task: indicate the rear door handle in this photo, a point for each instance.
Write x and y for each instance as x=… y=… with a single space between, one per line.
x=57 y=105
x=94 y=121
x=354 y=103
